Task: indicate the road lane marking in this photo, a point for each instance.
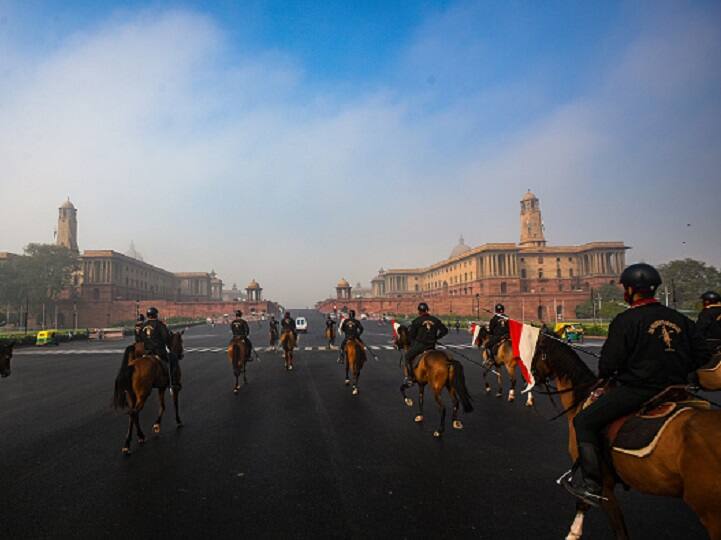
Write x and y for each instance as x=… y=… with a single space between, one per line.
x=388 y=347
x=374 y=347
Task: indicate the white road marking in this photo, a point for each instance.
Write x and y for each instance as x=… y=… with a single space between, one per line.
x=309 y=348
x=388 y=347
x=374 y=347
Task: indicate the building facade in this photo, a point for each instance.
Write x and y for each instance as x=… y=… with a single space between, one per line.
x=534 y=280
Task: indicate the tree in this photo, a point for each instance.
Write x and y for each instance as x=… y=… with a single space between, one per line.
x=611 y=300
x=687 y=280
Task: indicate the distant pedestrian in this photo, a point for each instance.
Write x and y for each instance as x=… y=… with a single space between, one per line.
x=458 y=326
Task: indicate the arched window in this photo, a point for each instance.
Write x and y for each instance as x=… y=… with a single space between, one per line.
x=541 y=312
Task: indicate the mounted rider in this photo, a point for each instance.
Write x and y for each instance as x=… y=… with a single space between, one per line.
x=424 y=333
x=273 y=325
x=139 y=322
x=498 y=328
x=649 y=347
x=329 y=324
x=708 y=325
x=156 y=340
x=241 y=330
x=287 y=324
x=350 y=328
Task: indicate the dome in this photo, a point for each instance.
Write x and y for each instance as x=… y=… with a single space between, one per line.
x=67 y=205
x=460 y=249
x=253 y=285
x=528 y=196
x=342 y=284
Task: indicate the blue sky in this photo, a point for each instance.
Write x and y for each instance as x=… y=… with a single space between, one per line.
x=271 y=136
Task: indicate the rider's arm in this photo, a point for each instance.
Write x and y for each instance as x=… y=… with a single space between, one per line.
x=360 y=329
x=705 y=320
x=442 y=329
x=413 y=329
x=615 y=351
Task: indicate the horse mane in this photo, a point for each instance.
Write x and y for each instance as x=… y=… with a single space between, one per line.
x=566 y=363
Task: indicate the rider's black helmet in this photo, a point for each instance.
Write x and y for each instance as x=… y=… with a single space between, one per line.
x=351 y=313
x=500 y=308
x=423 y=307
x=641 y=277
x=152 y=313
x=238 y=313
x=287 y=314
x=712 y=297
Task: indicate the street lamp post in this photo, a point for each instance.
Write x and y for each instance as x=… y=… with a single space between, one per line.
x=75 y=315
x=478 y=306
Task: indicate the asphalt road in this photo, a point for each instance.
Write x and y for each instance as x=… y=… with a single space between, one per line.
x=293 y=455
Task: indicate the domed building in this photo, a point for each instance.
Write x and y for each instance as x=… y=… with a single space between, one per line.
x=343 y=290
x=460 y=249
x=254 y=291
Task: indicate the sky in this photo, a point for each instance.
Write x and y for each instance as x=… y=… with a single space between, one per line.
x=300 y=142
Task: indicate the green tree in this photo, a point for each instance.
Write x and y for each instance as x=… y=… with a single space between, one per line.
x=686 y=280
x=610 y=298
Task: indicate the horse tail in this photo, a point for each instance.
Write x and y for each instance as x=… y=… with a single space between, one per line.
x=459 y=383
x=123 y=379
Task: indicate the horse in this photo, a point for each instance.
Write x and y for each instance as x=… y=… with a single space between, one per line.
x=685 y=463
x=237 y=355
x=6 y=353
x=287 y=343
x=440 y=371
x=355 y=358
x=504 y=356
x=273 y=338
x=139 y=373
x=330 y=336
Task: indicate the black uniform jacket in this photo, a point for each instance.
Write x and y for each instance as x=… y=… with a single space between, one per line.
x=329 y=323
x=351 y=328
x=156 y=336
x=239 y=328
x=708 y=325
x=498 y=326
x=651 y=345
x=274 y=326
x=427 y=329
x=288 y=324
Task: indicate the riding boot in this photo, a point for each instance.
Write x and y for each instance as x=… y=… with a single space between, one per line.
x=410 y=376
x=584 y=480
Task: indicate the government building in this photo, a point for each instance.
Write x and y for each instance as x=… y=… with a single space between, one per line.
x=534 y=280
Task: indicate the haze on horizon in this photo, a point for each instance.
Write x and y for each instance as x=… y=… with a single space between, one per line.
x=297 y=145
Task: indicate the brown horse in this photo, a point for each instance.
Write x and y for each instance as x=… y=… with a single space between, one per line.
x=686 y=462
x=237 y=355
x=139 y=374
x=329 y=336
x=440 y=371
x=6 y=353
x=273 y=342
x=288 y=343
x=503 y=357
x=355 y=358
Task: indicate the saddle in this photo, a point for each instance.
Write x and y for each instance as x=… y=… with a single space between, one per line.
x=638 y=434
x=709 y=376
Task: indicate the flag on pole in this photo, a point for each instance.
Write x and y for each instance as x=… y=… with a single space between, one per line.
x=524 y=338
x=475 y=330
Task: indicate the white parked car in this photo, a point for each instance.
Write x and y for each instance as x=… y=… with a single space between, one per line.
x=364 y=316
x=301 y=325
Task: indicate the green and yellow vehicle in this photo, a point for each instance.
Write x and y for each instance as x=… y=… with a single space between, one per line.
x=569 y=332
x=47 y=337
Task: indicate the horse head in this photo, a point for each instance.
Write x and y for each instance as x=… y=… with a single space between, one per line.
x=483 y=336
x=402 y=339
x=554 y=358
x=6 y=353
x=176 y=344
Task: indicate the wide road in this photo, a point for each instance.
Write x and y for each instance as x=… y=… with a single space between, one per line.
x=293 y=455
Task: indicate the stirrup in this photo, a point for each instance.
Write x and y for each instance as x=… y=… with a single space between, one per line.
x=586 y=496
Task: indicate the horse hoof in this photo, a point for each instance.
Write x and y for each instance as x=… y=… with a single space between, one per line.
x=236 y=390
x=529 y=403
x=408 y=401
x=488 y=389
x=437 y=434
x=290 y=368
x=355 y=392
x=499 y=395
x=141 y=441
x=126 y=451
x=156 y=428
x=457 y=424
x=418 y=418
x=179 y=424
x=511 y=399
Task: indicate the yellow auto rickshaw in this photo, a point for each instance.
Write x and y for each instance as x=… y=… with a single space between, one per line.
x=47 y=337
x=569 y=332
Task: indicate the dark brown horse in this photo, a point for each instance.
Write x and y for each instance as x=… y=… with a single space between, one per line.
x=685 y=463
x=330 y=336
x=139 y=374
x=273 y=342
x=287 y=343
x=440 y=371
x=503 y=357
x=355 y=358
x=237 y=355
x=6 y=353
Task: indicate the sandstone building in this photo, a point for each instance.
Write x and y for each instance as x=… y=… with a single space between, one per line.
x=533 y=280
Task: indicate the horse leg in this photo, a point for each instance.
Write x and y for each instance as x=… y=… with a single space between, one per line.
x=455 y=422
x=512 y=375
x=245 y=379
x=421 y=395
x=178 y=421
x=161 y=400
x=236 y=388
x=356 y=376
x=347 y=376
x=613 y=509
x=139 y=407
x=529 y=400
x=442 y=408
x=576 y=530
x=499 y=380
